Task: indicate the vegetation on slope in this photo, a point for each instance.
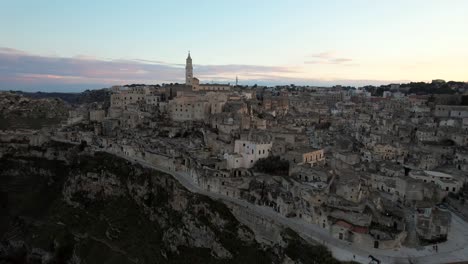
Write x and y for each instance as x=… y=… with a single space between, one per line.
x=127 y=228
x=272 y=165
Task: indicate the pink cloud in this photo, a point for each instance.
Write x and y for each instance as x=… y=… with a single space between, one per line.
x=25 y=67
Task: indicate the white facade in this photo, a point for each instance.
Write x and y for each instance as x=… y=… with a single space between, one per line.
x=444 y=181
x=248 y=152
x=234 y=161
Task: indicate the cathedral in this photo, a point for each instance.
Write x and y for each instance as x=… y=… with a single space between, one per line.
x=188 y=70
x=195 y=83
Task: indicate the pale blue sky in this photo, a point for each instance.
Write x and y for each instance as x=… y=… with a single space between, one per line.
x=316 y=41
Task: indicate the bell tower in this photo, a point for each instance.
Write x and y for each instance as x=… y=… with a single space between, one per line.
x=188 y=70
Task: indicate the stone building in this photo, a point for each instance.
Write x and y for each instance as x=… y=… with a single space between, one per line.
x=247 y=152
x=432 y=223
x=214 y=87
x=453 y=111
x=306 y=155
x=306 y=173
x=97 y=115
x=189 y=108
x=194 y=83
x=188 y=70
x=444 y=181
x=123 y=96
x=349 y=186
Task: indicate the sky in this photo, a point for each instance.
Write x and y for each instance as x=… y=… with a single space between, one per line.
x=76 y=45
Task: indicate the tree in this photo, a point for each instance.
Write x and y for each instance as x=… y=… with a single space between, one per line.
x=82 y=145
x=272 y=165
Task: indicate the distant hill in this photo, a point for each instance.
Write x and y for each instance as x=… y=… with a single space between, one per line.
x=86 y=97
x=421 y=88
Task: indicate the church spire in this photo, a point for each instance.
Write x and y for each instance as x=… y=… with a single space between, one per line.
x=188 y=70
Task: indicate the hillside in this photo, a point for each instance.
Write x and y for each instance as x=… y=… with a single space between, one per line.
x=88 y=96
x=61 y=205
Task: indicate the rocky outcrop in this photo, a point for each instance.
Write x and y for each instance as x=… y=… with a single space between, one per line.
x=95 y=208
x=17 y=111
x=92 y=186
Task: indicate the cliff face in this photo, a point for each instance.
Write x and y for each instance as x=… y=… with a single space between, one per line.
x=97 y=208
x=17 y=111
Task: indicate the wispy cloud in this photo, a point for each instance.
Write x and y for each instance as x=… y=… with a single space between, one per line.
x=11 y=51
x=26 y=71
x=327 y=57
x=236 y=69
x=19 y=68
